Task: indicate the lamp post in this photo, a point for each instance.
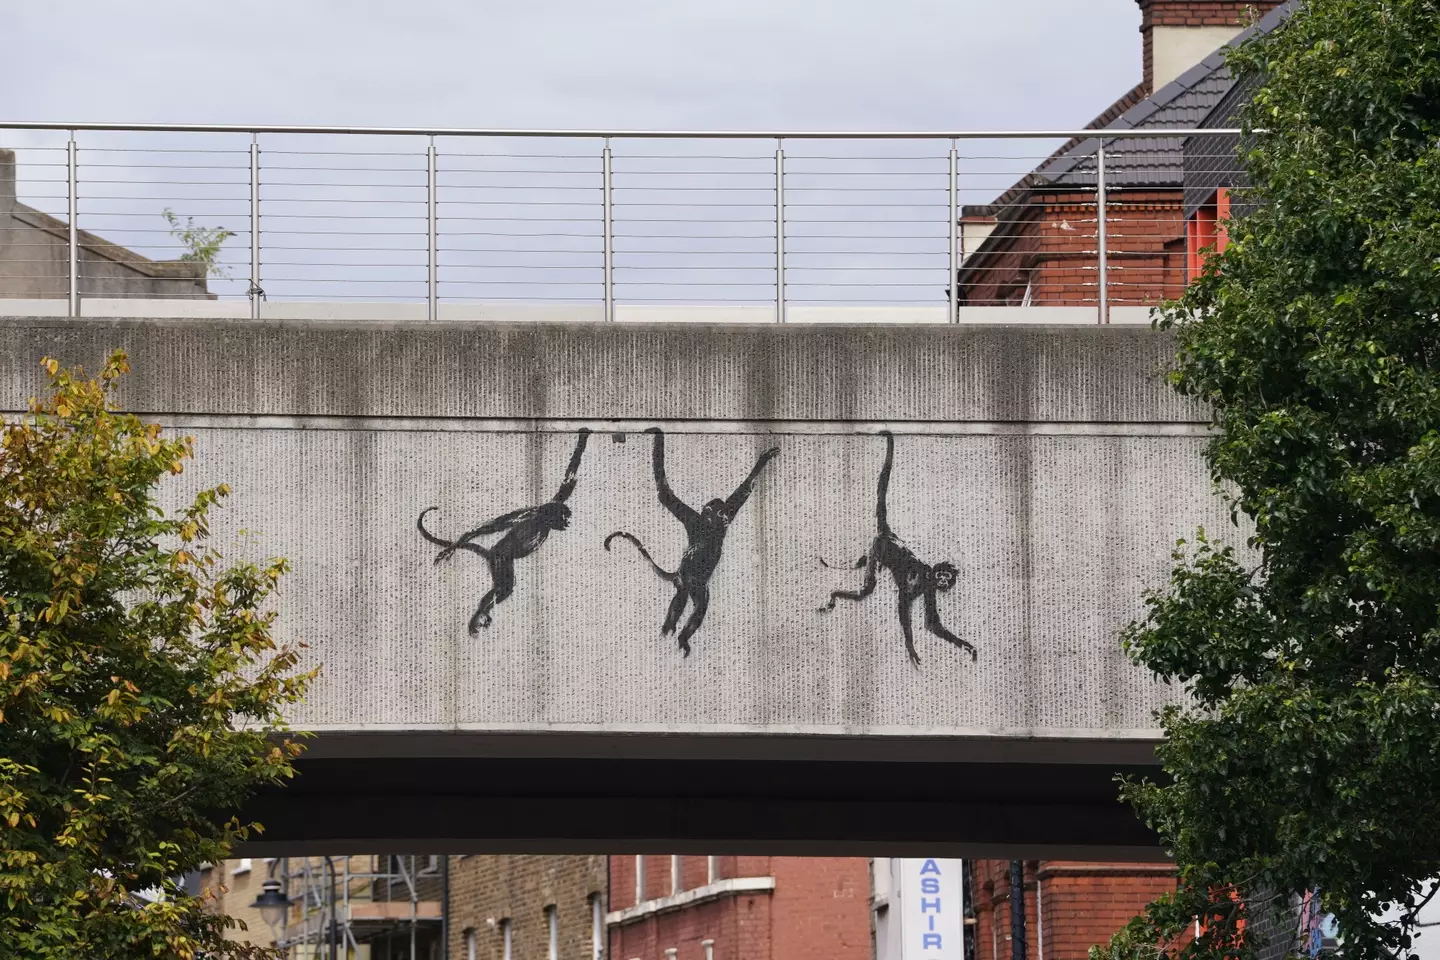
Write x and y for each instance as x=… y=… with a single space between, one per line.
x=272 y=903
x=334 y=926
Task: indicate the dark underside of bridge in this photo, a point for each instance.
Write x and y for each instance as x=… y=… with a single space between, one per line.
x=705 y=801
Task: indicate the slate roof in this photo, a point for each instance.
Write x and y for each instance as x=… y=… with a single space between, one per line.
x=1133 y=162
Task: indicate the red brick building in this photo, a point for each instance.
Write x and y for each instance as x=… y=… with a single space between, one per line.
x=1038 y=243
x=739 y=908
x=1069 y=906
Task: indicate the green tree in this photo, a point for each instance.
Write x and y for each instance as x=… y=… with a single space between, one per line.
x=1309 y=758
x=202 y=244
x=140 y=688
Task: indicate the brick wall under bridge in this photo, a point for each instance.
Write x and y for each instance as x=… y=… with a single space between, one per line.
x=1047 y=466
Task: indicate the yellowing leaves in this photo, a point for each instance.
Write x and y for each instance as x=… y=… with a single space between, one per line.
x=80 y=521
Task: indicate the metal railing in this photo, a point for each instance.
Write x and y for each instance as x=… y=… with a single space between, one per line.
x=782 y=220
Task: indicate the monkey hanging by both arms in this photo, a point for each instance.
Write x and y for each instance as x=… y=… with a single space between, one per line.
x=525 y=530
x=913 y=577
x=705 y=530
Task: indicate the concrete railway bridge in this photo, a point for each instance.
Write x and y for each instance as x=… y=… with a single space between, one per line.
x=508 y=673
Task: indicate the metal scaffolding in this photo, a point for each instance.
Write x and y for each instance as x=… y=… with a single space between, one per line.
x=388 y=904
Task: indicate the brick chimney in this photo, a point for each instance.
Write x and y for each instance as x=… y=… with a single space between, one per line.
x=1180 y=33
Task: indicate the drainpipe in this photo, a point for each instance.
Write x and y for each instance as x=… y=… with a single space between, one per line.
x=445 y=907
x=1039 y=916
x=1017 y=910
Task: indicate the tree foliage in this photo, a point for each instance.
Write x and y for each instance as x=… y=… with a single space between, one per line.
x=1310 y=756
x=140 y=687
x=1310 y=759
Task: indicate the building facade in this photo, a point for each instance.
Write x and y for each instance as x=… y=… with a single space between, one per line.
x=527 y=908
x=739 y=908
x=1069 y=906
x=235 y=884
x=1038 y=243
x=371 y=907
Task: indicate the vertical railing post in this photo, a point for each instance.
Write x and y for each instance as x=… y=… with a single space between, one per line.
x=1102 y=235
x=779 y=231
x=954 y=285
x=432 y=252
x=255 y=292
x=609 y=208
x=73 y=202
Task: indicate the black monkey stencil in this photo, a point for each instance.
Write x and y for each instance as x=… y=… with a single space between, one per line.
x=705 y=529
x=913 y=577
x=525 y=530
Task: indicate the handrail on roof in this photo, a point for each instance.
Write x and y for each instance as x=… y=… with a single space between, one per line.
x=1142 y=133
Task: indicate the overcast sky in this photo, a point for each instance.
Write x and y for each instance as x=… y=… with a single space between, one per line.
x=793 y=64
x=833 y=65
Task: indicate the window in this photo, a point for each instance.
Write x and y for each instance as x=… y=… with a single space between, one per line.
x=507 y=940
x=472 y=951
x=677 y=882
x=709 y=948
x=1205 y=231
x=597 y=928
x=712 y=869
x=640 y=879
x=241 y=866
x=552 y=922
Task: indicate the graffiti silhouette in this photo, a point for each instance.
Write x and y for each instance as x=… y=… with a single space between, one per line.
x=913 y=577
x=525 y=530
x=705 y=529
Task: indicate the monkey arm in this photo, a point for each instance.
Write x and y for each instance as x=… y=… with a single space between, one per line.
x=679 y=508
x=572 y=472
x=742 y=492
x=933 y=624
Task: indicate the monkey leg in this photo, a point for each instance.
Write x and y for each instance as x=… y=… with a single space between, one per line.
x=677 y=607
x=481 y=617
x=933 y=624
x=502 y=576
x=906 y=602
x=867 y=588
x=944 y=634
x=701 y=602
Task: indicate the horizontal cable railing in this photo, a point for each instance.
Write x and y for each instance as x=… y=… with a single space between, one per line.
x=766 y=225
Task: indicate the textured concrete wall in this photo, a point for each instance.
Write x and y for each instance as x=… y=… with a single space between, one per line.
x=1048 y=464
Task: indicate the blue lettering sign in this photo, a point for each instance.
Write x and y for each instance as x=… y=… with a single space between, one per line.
x=927 y=905
x=930 y=867
x=931 y=940
x=929 y=885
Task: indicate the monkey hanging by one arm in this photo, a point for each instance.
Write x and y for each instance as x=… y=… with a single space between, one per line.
x=525 y=530
x=913 y=577
x=705 y=531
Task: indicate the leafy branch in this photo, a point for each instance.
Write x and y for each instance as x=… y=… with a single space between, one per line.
x=202 y=244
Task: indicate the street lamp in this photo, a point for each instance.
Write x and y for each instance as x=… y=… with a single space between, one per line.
x=272 y=903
